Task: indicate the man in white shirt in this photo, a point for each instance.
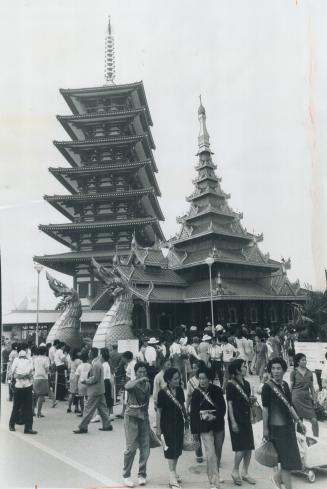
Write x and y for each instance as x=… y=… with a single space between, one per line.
x=215 y=353
x=59 y=360
x=22 y=371
x=148 y=355
x=229 y=353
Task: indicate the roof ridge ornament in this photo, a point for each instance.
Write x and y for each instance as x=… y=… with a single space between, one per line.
x=109 y=63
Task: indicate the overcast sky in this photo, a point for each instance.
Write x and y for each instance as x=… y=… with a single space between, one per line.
x=261 y=68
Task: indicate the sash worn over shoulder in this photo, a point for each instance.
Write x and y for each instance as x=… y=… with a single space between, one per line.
x=192 y=384
x=240 y=390
x=280 y=396
x=207 y=397
x=175 y=401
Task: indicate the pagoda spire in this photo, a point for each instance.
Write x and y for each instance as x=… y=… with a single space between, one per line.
x=109 y=68
x=203 y=138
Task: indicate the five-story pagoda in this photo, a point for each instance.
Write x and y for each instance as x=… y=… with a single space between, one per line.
x=113 y=191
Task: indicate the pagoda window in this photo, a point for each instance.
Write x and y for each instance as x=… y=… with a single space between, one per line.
x=83 y=289
x=232 y=315
x=273 y=314
x=253 y=315
x=290 y=315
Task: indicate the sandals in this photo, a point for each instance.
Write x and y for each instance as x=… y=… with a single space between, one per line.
x=249 y=479
x=237 y=480
x=174 y=485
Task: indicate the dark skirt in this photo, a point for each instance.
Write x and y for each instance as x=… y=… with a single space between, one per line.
x=243 y=440
x=174 y=442
x=284 y=439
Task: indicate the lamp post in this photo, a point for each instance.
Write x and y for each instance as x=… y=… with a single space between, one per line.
x=209 y=261
x=39 y=269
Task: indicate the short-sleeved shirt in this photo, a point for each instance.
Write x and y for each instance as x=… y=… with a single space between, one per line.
x=301 y=382
x=228 y=352
x=171 y=413
x=41 y=367
x=138 y=401
x=130 y=373
x=279 y=415
x=241 y=407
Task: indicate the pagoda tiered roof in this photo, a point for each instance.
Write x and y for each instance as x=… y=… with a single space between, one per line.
x=67 y=175
x=190 y=259
x=75 y=96
x=73 y=124
x=70 y=149
x=65 y=202
x=61 y=232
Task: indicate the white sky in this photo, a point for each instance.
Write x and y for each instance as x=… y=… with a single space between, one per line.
x=261 y=68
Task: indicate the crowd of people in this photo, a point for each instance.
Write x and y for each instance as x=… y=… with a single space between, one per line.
x=196 y=381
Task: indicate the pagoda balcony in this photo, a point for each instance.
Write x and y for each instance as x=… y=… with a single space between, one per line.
x=107 y=124
x=71 y=178
x=77 y=152
x=206 y=164
x=213 y=178
x=81 y=100
x=67 y=204
x=68 y=233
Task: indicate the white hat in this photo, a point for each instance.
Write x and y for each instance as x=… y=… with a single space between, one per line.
x=42 y=344
x=206 y=337
x=22 y=353
x=153 y=341
x=219 y=327
x=193 y=328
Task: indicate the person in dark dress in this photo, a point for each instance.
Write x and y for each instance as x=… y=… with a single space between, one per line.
x=171 y=420
x=279 y=416
x=208 y=409
x=238 y=395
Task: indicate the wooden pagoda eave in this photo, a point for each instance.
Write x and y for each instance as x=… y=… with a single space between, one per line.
x=211 y=211
x=192 y=197
x=227 y=261
x=62 y=174
x=217 y=233
x=61 y=232
x=72 y=228
x=236 y=297
x=101 y=91
x=61 y=202
x=121 y=141
x=69 y=121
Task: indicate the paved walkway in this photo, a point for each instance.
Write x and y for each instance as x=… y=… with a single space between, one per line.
x=58 y=458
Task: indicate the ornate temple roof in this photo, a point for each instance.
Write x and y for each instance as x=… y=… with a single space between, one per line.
x=73 y=123
x=67 y=176
x=72 y=96
x=65 y=203
x=71 y=149
x=60 y=232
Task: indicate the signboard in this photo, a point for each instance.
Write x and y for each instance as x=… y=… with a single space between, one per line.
x=128 y=345
x=314 y=351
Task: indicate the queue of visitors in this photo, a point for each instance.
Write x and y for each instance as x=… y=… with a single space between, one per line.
x=195 y=381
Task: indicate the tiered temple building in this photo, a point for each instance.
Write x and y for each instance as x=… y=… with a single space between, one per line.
x=112 y=214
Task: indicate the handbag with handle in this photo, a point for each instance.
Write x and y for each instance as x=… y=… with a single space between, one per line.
x=189 y=443
x=266 y=454
x=256 y=413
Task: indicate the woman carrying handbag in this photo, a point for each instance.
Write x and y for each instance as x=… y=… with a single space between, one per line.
x=279 y=418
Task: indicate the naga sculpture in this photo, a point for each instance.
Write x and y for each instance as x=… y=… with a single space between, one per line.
x=117 y=322
x=67 y=326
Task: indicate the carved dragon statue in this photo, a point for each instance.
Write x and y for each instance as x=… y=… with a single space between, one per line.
x=117 y=322
x=67 y=326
